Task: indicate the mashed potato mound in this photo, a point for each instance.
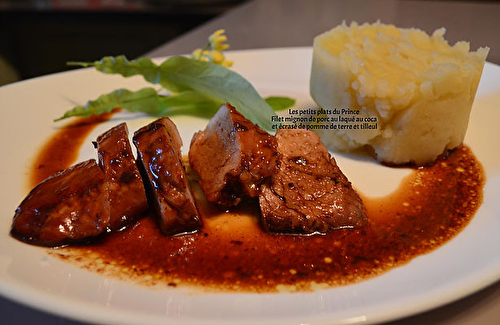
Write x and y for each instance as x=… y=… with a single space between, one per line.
x=419 y=88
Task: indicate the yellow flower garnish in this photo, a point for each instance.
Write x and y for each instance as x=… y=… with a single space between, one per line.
x=217 y=39
x=212 y=52
x=200 y=54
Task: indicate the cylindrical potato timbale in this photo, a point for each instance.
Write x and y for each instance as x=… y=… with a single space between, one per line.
x=418 y=88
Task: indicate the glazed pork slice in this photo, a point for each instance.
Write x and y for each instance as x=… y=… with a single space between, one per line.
x=65 y=208
x=127 y=196
x=159 y=152
x=309 y=194
x=232 y=157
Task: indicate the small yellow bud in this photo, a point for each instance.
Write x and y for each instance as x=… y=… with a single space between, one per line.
x=196 y=54
x=217 y=57
x=213 y=51
x=227 y=63
x=217 y=39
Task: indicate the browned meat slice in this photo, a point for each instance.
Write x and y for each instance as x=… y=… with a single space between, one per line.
x=127 y=196
x=232 y=156
x=67 y=207
x=309 y=194
x=159 y=151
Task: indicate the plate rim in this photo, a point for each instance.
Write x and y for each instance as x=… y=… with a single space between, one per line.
x=8 y=292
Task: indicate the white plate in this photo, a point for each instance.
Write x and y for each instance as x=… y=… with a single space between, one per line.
x=468 y=263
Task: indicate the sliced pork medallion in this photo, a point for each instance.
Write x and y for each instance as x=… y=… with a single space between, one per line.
x=126 y=189
x=309 y=193
x=232 y=156
x=159 y=151
x=68 y=207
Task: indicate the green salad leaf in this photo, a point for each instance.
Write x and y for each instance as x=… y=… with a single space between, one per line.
x=143 y=66
x=196 y=86
x=149 y=101
x=144 y=100
x=222 y=85
x=279 y=103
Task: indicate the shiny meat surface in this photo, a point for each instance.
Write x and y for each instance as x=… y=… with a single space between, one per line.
x=309 y=194
x=68 y=207
x=159 y=152
x=127 y=196
x=233 y=157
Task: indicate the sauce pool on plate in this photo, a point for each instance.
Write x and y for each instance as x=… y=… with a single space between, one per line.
x=233 y=253
x=61 y=149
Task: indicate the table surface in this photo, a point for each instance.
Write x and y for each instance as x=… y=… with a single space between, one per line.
x=288 y=23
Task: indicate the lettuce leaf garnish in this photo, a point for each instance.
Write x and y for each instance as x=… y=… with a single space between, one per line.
x=196 y=86
x=146 y=100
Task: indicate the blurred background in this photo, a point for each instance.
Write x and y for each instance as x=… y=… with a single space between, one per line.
x=38 y=37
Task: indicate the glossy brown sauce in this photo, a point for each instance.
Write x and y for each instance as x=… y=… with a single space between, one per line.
x=232 y=253
x=61 y=150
